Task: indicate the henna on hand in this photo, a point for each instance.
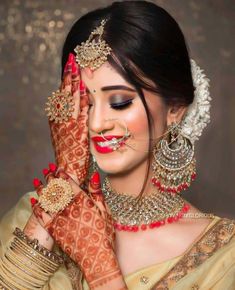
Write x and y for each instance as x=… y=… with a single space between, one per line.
x=70 y=139
x=34 y=230
x=84 y=230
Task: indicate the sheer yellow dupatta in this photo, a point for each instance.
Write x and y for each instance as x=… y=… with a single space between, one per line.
x=219 y=269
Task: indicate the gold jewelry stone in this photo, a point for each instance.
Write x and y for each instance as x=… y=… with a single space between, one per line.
x=144 y=279
x=60 y=106
x=93 y=53
x=56 y=195
x=130 y=210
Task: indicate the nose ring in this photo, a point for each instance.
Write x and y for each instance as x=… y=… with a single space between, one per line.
x=116 y=143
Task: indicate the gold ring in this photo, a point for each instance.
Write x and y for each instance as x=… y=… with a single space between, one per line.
x=60 y=106
x=56 y=195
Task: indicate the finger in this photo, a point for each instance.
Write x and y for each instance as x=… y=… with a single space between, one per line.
x=38 y=185
x=67 y=75
x=52 y=172
x=84 y=100
x=94 y=189
x=33 y=201
x=62 y=174
x=75 y=85
x=41 y=215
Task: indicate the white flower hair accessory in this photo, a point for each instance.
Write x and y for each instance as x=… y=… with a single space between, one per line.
x=198 y=113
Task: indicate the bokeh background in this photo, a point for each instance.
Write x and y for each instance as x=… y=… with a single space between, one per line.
x=31 y=38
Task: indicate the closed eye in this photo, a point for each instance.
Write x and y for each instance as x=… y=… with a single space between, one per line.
x=119 y=106
x=122 y=105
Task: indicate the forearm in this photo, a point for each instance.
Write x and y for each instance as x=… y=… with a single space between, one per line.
x=34 y=230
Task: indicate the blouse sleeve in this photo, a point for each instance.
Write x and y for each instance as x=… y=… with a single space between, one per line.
x=17 y=217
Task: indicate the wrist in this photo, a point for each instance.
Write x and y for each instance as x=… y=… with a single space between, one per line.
x=114 y=280
x=34 y=230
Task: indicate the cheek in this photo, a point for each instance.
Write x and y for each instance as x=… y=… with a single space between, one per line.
x=137 y=122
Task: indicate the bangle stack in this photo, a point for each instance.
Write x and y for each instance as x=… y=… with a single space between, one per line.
x=27 y=265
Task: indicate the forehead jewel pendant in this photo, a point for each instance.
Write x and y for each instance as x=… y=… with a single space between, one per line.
x=93 y=53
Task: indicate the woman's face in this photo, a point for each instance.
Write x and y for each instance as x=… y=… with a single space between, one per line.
x=111 y=97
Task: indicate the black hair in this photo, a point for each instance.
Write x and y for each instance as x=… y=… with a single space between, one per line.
x=147 y=44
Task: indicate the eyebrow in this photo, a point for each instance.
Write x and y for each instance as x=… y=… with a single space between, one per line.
x=112 y=88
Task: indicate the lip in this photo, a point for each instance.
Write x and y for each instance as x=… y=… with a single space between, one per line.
x=108 y=137
x=106 y=149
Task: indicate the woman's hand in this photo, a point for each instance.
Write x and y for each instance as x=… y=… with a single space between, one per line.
x=70 y=142
x=84 y=230
x=70 y=138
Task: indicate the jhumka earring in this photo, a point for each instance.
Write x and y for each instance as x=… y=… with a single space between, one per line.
x=174 y=165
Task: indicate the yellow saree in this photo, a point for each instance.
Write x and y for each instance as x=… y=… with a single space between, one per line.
x=209 y=263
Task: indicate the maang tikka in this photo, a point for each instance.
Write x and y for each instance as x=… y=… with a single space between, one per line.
x=174 y=165
x=93 y=53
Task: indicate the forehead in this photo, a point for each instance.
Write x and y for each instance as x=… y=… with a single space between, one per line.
x=105 y=75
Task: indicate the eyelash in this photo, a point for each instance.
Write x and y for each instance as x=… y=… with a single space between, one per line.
x=119 y=106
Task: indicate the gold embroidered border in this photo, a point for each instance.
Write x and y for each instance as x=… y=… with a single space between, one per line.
x=215 y=238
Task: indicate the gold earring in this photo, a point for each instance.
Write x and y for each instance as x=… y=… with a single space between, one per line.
x=174 y=164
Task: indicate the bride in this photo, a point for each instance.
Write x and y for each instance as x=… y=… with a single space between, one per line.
x=110 y=213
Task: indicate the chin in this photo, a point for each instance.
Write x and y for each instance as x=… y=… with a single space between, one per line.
x=112 y=165
x=117 y=165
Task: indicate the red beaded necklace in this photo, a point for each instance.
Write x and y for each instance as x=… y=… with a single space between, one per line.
x=126 y=211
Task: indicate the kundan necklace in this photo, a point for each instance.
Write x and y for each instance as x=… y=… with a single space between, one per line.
x=132 y=213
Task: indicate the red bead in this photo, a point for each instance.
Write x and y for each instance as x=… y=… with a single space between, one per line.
x=143 y=227
x=176 y=218
x=33 y=201
x=118 y=227
x=193 y=176
x=180 y=214
x=151 y=226
x=125 y=227
x=170 y=220
x=135 y=228
x=52 y=167
x=45 y=171
x=158 y=224
x=36 y=182
x=187 y=206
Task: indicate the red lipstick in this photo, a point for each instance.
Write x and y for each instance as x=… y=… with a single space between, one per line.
x=104 y=149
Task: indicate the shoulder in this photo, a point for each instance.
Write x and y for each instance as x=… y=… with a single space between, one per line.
x=15 y=217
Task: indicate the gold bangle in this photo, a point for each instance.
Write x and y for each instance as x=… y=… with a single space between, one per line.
x=12 y=261
x=8 y=277
x=24 y=265
x=34 y=256
x=27 y=265
x=53 y=257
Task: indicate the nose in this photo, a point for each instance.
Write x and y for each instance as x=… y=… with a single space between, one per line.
x=100 y=122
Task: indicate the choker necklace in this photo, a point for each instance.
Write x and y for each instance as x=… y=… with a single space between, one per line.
x=133 y=214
